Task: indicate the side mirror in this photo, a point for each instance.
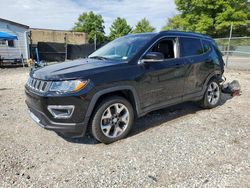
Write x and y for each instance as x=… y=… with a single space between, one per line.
x=153 y=57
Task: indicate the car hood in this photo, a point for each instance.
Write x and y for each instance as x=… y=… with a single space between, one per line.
x=73 y=69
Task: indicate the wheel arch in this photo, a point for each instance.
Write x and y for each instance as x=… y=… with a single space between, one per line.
x=214 y=75
x=217 y=75
x=128 y=92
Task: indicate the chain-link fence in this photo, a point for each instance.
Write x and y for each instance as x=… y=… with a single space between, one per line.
x=236 y=51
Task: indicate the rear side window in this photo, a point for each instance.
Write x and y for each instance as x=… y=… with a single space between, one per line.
x=206 y=46
x=191 y=47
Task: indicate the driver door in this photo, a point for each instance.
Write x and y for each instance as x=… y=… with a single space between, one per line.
x=164 y=80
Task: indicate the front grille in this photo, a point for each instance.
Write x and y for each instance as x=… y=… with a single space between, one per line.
x=38 y=85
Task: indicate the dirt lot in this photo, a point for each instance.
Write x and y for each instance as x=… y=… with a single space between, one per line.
x=182 y=146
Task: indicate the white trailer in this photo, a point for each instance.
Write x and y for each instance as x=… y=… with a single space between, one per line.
x=14 y=50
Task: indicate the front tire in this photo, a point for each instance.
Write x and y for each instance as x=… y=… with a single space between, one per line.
x=112 y=120
x=212 y=95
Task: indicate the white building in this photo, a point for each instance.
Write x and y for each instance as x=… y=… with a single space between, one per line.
x=14 y=49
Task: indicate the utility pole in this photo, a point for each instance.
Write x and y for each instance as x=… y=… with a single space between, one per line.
x=95 y=36
x=66 y=46
x=229 y=41
x=95 y=41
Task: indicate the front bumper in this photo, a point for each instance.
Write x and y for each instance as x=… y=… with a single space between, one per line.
x=68 y=129
x=75 y=126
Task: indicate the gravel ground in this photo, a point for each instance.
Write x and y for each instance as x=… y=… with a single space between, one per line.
x=182 y=146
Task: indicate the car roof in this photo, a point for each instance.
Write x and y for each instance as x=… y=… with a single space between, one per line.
x=174 y=33
x=184 y=33
x=141 y=34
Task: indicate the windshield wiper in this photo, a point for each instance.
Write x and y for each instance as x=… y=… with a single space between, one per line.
x=99 y=57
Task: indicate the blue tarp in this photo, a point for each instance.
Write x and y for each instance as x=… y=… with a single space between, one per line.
x=6 y=36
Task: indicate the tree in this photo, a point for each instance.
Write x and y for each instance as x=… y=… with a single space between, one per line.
x=119 y=28
x=143 y=26
x=91 y=24
x=212 y=17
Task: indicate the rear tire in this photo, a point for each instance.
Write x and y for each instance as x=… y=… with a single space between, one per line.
x=212 y=95
x=112 y=120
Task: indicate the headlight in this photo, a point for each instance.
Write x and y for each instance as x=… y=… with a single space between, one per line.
x=68 y=86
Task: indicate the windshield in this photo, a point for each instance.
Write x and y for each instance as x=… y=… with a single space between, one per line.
x=123 y=48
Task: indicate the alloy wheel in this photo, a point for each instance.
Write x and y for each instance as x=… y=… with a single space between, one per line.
x=115 y=120
x=213 y=93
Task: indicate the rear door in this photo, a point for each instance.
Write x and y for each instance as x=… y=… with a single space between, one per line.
x=196 y=62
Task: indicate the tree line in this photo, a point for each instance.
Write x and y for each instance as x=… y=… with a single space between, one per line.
x=93 y=24
x=211 y=17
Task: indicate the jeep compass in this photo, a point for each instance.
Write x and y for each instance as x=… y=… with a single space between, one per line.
x=127 y=78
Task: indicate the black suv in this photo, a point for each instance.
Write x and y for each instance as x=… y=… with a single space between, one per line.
x=127 y=78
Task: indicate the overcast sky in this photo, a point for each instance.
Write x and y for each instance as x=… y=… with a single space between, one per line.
x=61 y=14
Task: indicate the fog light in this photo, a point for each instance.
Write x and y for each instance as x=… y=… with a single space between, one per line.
x=61 y=111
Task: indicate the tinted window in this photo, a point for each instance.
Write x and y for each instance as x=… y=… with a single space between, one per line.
x=166 y=47
x=206 y=46
x=191 y=46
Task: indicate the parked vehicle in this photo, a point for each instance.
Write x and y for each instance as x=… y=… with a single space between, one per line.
x=127 y=78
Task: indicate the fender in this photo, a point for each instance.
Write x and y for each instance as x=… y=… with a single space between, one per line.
x=110 y=90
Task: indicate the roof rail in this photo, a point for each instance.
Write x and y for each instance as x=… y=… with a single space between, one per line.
x=186 y=33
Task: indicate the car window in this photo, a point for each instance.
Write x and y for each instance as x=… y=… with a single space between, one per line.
x=123 y=48
x=167 y=47
x=206 y=46
x=191 y=47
